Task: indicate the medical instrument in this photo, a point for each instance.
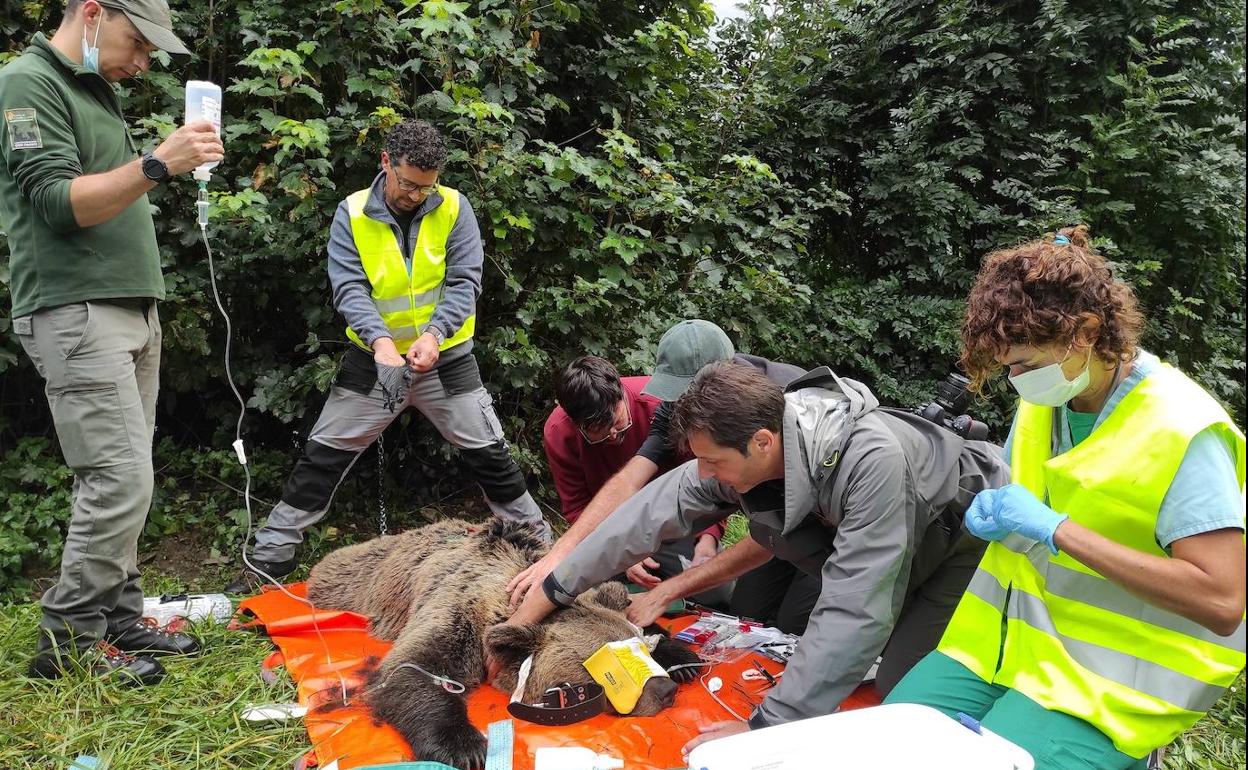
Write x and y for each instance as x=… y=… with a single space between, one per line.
x=203 y=102
x=761 y=675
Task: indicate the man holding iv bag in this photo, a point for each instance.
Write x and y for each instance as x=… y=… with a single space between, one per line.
x=85 y=281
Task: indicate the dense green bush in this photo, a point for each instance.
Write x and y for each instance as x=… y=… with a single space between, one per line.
x=820 y=179
x=953 y=128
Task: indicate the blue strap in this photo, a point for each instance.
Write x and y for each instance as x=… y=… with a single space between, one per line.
x=1061 y=240
x=500 y=739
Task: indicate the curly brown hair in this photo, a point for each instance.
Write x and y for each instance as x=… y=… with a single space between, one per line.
x=1043 y=292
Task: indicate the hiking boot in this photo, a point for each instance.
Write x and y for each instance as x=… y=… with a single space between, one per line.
x=101 y=659
x=249 y=581
x=146 y=636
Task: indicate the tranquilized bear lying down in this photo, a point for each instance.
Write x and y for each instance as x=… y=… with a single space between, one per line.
x=437 y=592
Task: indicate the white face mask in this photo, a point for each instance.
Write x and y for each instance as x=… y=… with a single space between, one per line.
x=91 y=53
x=1048 y=386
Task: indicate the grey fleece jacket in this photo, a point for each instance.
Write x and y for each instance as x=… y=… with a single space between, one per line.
x=863 y=488
x=353 y=294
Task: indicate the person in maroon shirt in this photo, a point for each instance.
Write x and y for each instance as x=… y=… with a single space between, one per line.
x=602 y=420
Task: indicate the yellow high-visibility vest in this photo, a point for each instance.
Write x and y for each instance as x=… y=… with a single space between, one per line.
x=406 y=299
x=1055 y=630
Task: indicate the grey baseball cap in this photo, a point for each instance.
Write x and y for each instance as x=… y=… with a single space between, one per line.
x=683 y=351
x=151 y=18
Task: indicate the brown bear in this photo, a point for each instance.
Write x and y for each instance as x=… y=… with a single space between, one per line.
x=439 y=592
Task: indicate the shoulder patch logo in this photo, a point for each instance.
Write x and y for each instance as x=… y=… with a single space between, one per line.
x=23 y=129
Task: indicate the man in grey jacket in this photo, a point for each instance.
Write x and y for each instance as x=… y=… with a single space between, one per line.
x=869 y=499
x=405 y=260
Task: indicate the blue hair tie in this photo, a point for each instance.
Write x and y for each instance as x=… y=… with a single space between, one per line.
x=1061 y=240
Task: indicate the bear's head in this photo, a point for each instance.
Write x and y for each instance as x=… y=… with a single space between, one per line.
x=561 y=645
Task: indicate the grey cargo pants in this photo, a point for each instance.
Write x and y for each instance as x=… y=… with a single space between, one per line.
x=100 y=363
x=451 y=397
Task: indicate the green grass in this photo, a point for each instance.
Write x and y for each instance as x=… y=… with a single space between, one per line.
x=191 y=720
x=735 y=529
x=1215 y=742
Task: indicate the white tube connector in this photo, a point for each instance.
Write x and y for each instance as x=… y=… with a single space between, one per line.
x=238 y=450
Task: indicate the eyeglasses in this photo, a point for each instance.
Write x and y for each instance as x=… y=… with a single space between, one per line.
x=411 y=187
x=408 y=187
x=611 y=435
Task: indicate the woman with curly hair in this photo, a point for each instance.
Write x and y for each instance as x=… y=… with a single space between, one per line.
x=1106 y=616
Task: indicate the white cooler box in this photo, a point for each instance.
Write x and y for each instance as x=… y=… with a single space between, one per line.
x=899 y=736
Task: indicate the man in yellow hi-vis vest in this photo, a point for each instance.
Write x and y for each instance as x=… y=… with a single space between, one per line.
x=1107 y=614
x=405 y=260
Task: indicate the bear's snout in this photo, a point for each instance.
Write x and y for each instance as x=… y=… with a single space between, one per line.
x=665 y=690
x=658 y=694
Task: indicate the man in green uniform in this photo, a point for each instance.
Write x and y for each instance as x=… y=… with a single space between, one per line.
x=85 y=278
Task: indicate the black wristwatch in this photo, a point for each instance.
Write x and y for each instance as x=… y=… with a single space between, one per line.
x=155 y=169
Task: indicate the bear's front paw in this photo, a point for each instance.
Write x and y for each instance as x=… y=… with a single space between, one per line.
x=670 y=653
x=460 y=747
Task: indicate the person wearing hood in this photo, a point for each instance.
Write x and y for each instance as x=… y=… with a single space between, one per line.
x=868 y=499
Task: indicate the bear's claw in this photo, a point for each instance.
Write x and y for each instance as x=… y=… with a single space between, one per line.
x=463 y=748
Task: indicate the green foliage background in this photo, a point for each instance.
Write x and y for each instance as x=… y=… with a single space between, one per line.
x=821 y=179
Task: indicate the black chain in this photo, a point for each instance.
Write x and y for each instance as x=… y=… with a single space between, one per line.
x=381 y=484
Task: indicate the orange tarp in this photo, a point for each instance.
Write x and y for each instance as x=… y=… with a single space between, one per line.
x=349 y=735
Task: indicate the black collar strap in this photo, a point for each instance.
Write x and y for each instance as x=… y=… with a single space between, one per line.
x=562 y=705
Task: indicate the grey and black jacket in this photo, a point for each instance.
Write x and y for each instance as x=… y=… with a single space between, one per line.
x=863 y=488
x=461 y=287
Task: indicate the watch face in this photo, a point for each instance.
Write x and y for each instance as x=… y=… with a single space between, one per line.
x=154 y=169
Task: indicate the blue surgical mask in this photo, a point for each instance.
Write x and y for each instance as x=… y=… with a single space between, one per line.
x=91 y=53
x=1048 y=386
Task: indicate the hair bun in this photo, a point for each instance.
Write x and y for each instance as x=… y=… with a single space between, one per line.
x=1077 y=235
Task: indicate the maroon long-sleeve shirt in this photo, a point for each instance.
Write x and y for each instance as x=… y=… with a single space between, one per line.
x=580 y=469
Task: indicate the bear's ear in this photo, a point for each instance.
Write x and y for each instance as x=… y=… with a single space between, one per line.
x=612 y=595
x=510 y=645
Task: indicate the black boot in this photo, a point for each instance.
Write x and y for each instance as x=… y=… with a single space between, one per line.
x=145 y=636
x=249 y=581
x=101 y=659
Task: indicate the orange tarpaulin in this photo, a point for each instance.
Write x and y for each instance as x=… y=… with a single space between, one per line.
x=349 y=735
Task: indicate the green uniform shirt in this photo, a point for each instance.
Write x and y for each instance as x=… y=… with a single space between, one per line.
x=59 y=121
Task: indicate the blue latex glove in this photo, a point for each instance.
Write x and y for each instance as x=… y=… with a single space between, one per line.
x=980 y=518
x=1013 y=508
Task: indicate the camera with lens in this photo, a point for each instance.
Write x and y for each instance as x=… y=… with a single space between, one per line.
x=949 y=408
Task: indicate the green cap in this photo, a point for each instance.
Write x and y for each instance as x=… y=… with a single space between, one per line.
x=151 y=18
x=684 y=350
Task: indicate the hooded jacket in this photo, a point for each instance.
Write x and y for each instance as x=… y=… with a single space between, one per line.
x=871 y=501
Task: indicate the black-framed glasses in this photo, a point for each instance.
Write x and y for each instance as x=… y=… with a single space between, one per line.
x=408 y=187
x=411 y=187
x=611 y=435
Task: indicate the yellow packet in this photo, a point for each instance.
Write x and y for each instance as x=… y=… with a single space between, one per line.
x=623 y=668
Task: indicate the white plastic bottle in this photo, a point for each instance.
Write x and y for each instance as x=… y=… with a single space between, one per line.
x=203 y=102
x=574 y=758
